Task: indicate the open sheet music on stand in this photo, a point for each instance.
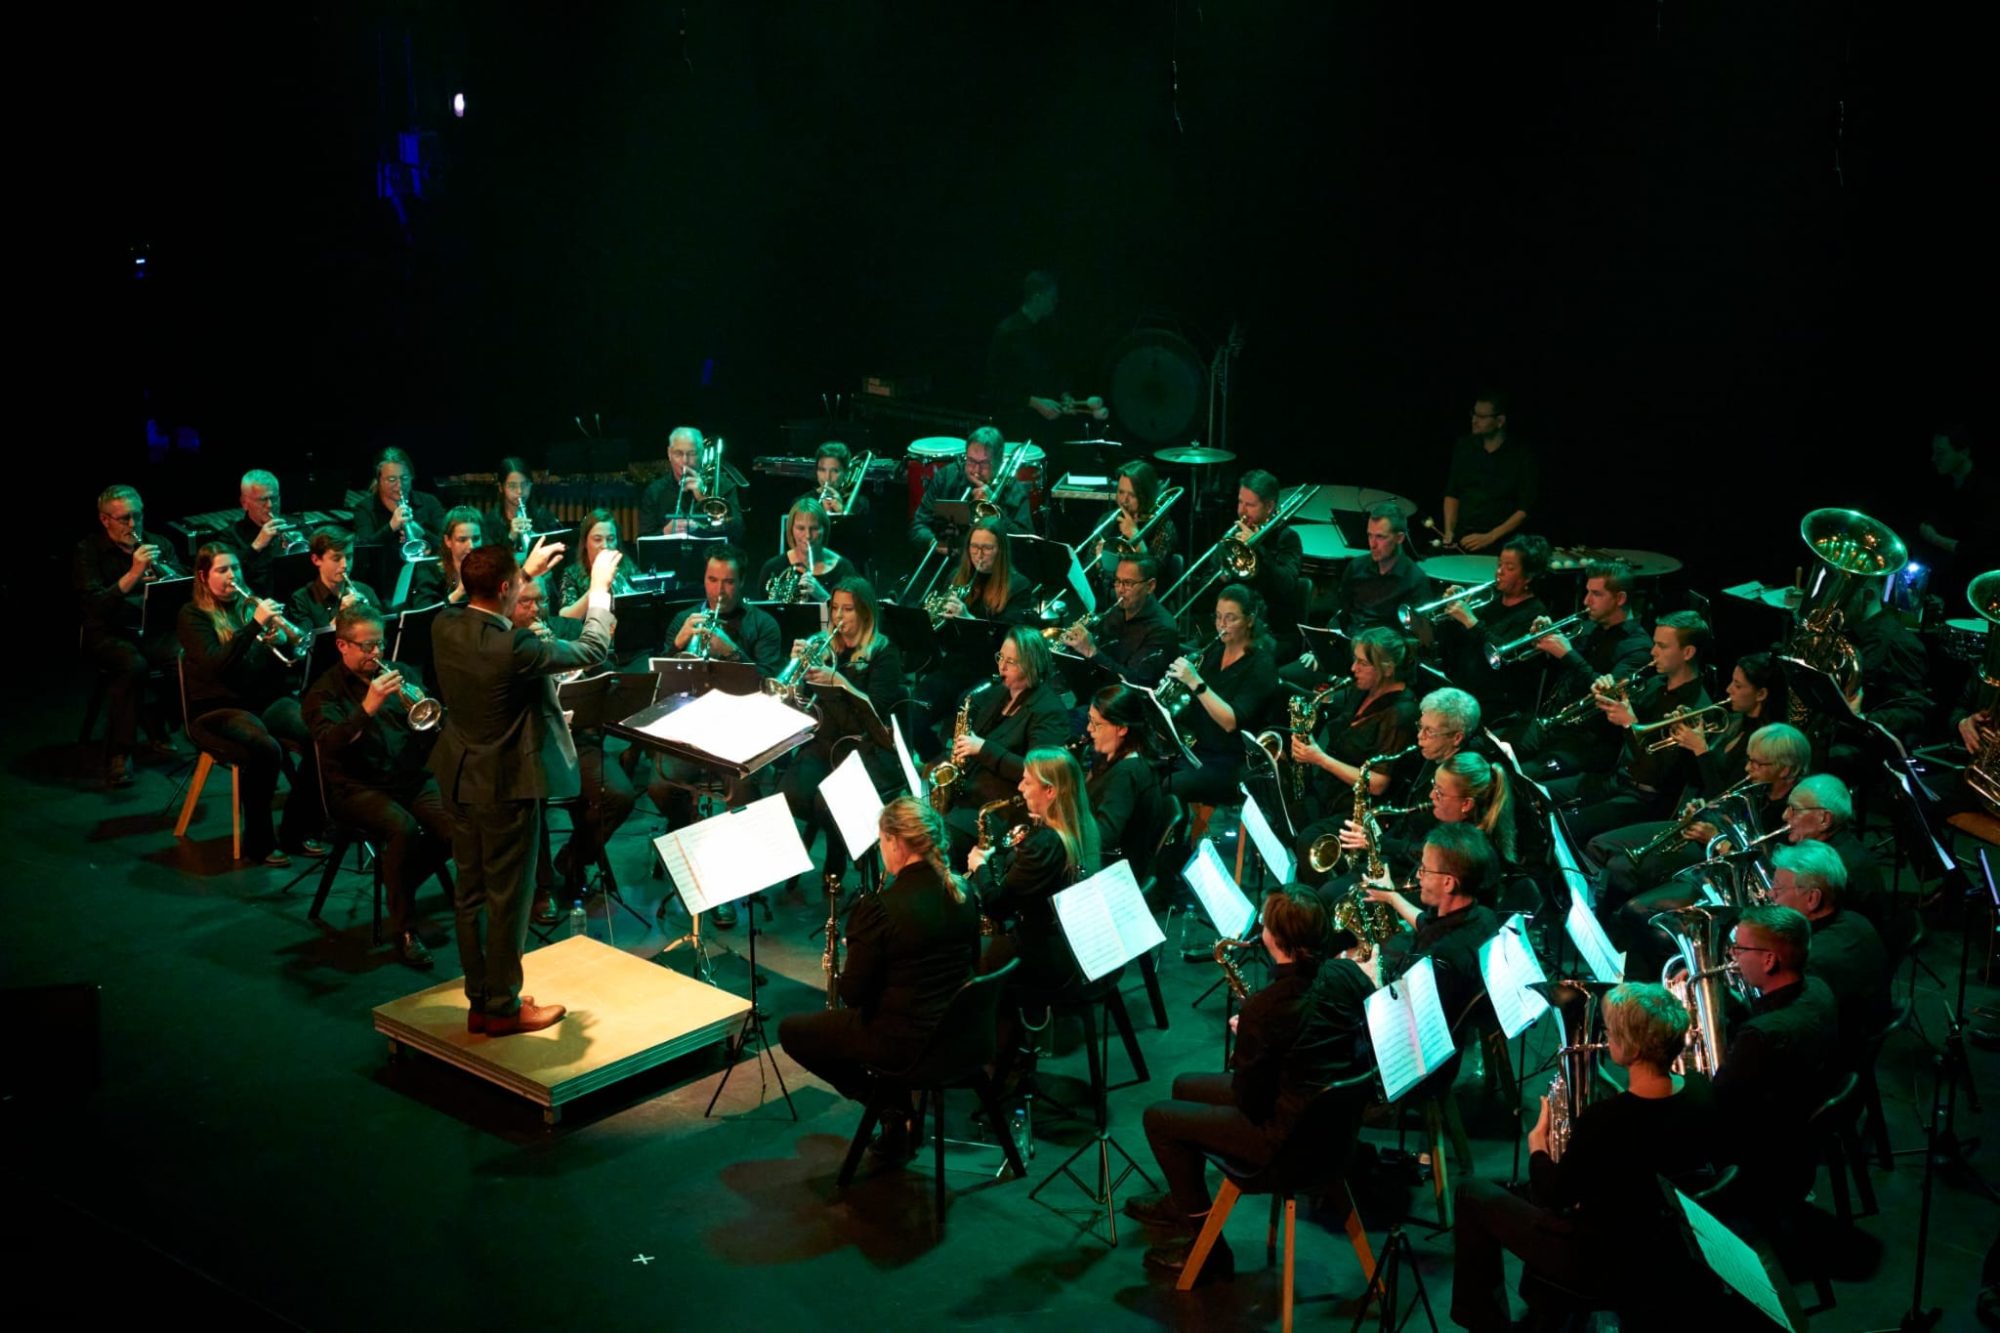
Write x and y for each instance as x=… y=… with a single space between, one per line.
x=1406 y=1023
x=1606 y=963
x=917 y=785
x=1229 y=909
x=1269 y=845
x=734 y=854
x=1511 y=969
x=1727 y=1255
x=739 y=732
x=852 y=801
x=1106 y=920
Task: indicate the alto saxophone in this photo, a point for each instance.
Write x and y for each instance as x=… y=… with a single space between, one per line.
x=1223 y=948
x=998 y=835
x=944 y=774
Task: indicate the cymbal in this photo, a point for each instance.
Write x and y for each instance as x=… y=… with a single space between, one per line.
x=1645 y=564
x=1193 y=455
x=1334 y=499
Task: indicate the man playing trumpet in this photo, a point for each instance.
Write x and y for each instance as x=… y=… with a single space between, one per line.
x=263 y=533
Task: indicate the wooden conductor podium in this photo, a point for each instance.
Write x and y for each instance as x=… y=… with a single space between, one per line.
x=626 y=1015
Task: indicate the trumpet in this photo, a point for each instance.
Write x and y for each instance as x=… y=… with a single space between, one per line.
x=1584 y=708
x=1684 y=716
x=1472 y=599
x=1523 y=649
x=284 y=640
x=291 y=541
x=424 y=711
x=814 y=655
x=702 y=645
x=160 y=566
x=1065 y=633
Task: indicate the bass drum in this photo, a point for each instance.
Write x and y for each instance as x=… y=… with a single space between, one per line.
x=926 y=458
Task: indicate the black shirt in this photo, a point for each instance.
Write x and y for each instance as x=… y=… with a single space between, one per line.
x=1019 y=885
x=1038 y=719
x=1277 y=582
x=1864 y=893
x=1512 y=688
x=1332 y=1042
x=1452 y=943
x=94 y=572
x=753 y=630
x=949 y=483
x=1126 y=798
x=356 y=750
x=1600 y=650
x=661 y=503
x=1139 y=648
x=1774 y=1073
x=1020 y=363
x=1266 y=1028
x=313 y=607
x=881 y=678
x=1014 y=610
x=1355 y=730
x=1670 y=769
x=1247 y=685
x=1848 y=956
x=1893 y=667
x=1491 y=486
x=239 y=673
x=909 y=949
x=1369 y=597
x=255 y=565
x=371 y=520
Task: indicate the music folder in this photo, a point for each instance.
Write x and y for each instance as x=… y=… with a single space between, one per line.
x=161 y=602
x=1106 y=921
x=909 y=628
x=641 y=620
x=1332 y=650
x=412 y=643
x=1407 y=1026
x=732 y=734
x=1053 y=568
x=1725 y=1254
x=1606 y=963
x=1229 y=909
x=1163 y=722
x=681 y=556
x=1085 y=676
x=734 y=854
x=1511 y=971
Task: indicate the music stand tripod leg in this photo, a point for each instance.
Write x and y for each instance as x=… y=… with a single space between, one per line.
x=752 y=1030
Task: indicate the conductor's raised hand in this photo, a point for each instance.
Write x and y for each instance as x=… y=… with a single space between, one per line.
x=545 y=557
x=603 y=568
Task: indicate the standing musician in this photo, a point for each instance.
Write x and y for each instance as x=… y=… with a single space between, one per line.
x=1455 y=872
x=434 y=581
x=1373 y=586
x=259 y=536
x=1846 y=952
x=502 y=751
x=1303 y=1031
x=865 y=664
x=1595 y=1222
x=1278 y=554
x=1894 y=667
x=910 y=947
x=393 y=504
x=109 y=572
x=1612 y=644
x=671 y=504
x=1136 y=637
x=517 y=518
x=1493 y=482
x=807 y=568
x=331 y=591
x=1379 y=717
x=1465 y=636
x=373 y=766
x=599 y=532
x=972 y=481
x=1647 y=781
x=1228 y=688
x=1016 y=883
x=832 y=482
x=240 y=704
x=1138 y=492
x=1003 y=724
x=1124 y=786
x=1023 y=378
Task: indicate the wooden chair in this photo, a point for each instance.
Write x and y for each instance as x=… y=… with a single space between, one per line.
x=203 y=766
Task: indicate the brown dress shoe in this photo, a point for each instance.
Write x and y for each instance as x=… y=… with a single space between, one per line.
x=476 y=1021
x=528 y=1018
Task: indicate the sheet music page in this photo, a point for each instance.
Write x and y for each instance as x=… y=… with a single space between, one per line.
x=736 y=853
x=1574 y=879
x=1433 y=1028
x=1606 y=963
x=1228 y=908
x=1734 y=1262
x=735 y=728
x=1392 y=1030
x=910 y=774
x=1106 y=920
x=1269 y=846
x=1510 y=967
x=851 y=799
x=675 y=860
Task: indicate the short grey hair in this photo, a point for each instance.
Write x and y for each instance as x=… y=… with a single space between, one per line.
x=1831 y=794
x=1813 y=865
x=688 y=433
x=1783 y=745
x=257 y=476
x=1459 y=710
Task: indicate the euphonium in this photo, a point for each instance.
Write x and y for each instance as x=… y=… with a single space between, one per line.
x=1697 y=980
x=1574 y=1087
x=1223 y=948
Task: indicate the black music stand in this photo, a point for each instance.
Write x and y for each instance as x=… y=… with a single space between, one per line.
x=796 y=620
x=681 y=559
x=410 y=643
x=909 y=628
x=591 y=704
x=1085 y=676
x=289 y=573
x=160 y=605
x=1264 y=778
x=321 y=654
x=642 y=619
x=1332 y=650
x=1053 y=569
x=1162 y=723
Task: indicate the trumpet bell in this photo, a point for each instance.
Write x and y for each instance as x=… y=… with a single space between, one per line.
x=425 y=714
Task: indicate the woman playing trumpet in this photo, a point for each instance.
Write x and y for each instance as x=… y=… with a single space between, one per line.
x=241 y=707
x=434 y=581
x=807 y=571
x=598 y=531
x=985 y=586
x=517 y=519
x=394 y=510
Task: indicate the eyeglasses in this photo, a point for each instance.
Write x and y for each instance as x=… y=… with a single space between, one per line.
x=1736 y=948
x=1435 y=731
x=985 y=549
x=1129 y=583
x=1793 y=808
x=1001 y=659
x=131 y=516
x=366 y=646
x=1426 y=870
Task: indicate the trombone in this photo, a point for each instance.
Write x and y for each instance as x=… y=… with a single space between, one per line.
x=1523 y=649
x=1706 y=726
x=1472 y=599
x=1010 y=462
x=708 y=470
x=1233 y=554
x=830 y=495
x=919 y=588
x=1136 y=543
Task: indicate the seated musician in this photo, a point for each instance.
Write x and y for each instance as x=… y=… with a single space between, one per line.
x=1894 y=668
x=1466 y=635
x=1779 y=1061
x=866 y=664
x=331 y=591
x=671 y=504
x=1003 y=723
x=260 y=535
x=1136 y=637
x=1375 y=717
x=1493 y=481
x=1613 y=644
x=1124 y=786
x=434 y=581
x=985 y=586
x=972 y=481
x=517 y=518
x=1373 y=586
x=1138 y=493
x=109 y=573
x=1595 y=1222
x=1820 y=809
x=1455 y=875
x=1633 y=891
x=1465 y=788
x=909 y=949
x=606 y=794
x=833 y=482
x=1016 y=879
x=372 y=763
x=1228 y=688
x=1646 y=781
x=393 y=510
x=1278 y=555
x=1305 y=1030
x=596 y=531
x=808 y=570
x=1846 y=953
x=241 y=707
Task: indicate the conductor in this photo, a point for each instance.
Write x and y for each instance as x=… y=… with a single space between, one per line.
x=504 y=748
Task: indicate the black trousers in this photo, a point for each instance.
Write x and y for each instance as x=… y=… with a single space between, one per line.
x=829 y=1043
x=255 y=743
x=1492 y=1223
x=124 y=663
x=1202 y=1115
x=411 y=833
x=607 y=801
x=1214 y=783
x=494 y=844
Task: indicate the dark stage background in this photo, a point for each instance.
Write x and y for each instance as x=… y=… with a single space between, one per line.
x=1721 y=255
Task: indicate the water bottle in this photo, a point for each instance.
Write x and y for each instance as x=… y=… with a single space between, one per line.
x=579 y=920
x=1017 y=1126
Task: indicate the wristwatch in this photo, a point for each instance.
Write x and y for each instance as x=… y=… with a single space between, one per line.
x=1200 y=689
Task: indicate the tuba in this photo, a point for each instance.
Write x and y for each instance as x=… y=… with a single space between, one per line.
x=1695 y=978
x=1854 y=551
x=1574 y=1087
x=1982 y=774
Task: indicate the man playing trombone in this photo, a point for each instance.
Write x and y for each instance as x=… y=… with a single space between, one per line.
x=973 y=482
x=674 y=504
